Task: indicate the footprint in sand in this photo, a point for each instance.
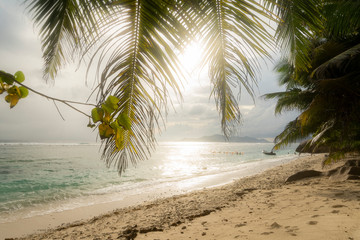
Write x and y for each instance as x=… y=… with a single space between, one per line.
x=240 y=225
x=338 y=206
x=312 y=222
x=292 y=230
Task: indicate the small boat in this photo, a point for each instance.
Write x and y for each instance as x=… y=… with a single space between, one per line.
x=268 y=153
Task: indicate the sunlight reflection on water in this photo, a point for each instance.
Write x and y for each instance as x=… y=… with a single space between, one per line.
x=36 y=176
x=182 y=160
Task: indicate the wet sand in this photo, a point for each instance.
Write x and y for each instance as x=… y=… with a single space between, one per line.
x=262 y=206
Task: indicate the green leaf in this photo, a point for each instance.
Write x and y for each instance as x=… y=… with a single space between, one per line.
x=14 y=90
x=119 y=135
x=105 y=131
x=19 y=76
x=107 y=118
x=114 y=125
x=124 y=121
x=7 y=78
x=113 y=100
x=119 y=138
x=24 y=92
x=108 y=109
x=97 y=114
x=111 y=104
x=2 y=87
x=8 y=98
x=13 y=99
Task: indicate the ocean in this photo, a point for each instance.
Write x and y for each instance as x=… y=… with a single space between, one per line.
x=38 y=179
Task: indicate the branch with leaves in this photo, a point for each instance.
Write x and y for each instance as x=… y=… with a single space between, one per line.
x=111 y=123
x=9 y=82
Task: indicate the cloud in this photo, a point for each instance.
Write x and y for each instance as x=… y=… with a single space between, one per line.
x=261 y=121
x=36 y=119
x=197 y=116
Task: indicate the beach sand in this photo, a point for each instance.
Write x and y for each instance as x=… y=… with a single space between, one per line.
x=262 y=206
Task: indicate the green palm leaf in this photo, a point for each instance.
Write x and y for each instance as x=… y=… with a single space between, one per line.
x=140 y=71
x=66 y=25
x=292 y=99
x=340 y=63
x=299 y=20
x=342 y=18
x=291 y=133
x=234 y=35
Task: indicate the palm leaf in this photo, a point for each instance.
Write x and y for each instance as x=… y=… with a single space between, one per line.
x=342 y=18
x=299 y=21
x=65 y=26
x=285 y=72
x=140 y=71
x=291 y=133
x=234 y=35
x=316 y=140
x=292 y=99
x=337 y=63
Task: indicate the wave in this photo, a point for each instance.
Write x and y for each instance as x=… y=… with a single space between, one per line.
x=67 y=178
x=47 y=144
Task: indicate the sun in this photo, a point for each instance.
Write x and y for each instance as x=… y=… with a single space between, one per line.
x=191 y=58
x=191 y=61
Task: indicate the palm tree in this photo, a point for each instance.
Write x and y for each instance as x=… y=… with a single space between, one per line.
x=327 y=91
x=135 y=46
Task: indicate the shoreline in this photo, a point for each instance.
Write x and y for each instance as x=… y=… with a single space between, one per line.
x=183 y=216
x=93 y=206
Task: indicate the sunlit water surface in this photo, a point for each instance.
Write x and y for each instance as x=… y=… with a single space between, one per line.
x=41 y=178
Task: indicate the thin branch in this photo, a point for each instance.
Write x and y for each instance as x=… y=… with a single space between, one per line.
x=66 y=102
x=58 y=110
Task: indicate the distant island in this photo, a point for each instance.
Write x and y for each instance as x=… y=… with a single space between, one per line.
x=221 y=138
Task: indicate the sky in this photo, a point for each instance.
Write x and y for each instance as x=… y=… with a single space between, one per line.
x=36 y=119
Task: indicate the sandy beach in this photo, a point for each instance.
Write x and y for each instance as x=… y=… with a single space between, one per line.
x=263 y=206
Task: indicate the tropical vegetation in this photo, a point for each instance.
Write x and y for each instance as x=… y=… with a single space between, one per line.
x=8 y=84
x=325 y=90
x=134 y=46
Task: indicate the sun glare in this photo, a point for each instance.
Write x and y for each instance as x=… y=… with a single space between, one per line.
x=191 y=58
x=182 y=160
x=190 y=61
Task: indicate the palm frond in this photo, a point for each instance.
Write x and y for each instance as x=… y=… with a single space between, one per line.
x=234 y=36
x=291 y=133
x=342 y=18
x=140 y=69
x=285 y=71
x=338 y=63
x=292 y=99
x=299 y=21
x=65 y=25
x=316 y=140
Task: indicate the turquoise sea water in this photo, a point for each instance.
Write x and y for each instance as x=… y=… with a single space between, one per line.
x=39 y=178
